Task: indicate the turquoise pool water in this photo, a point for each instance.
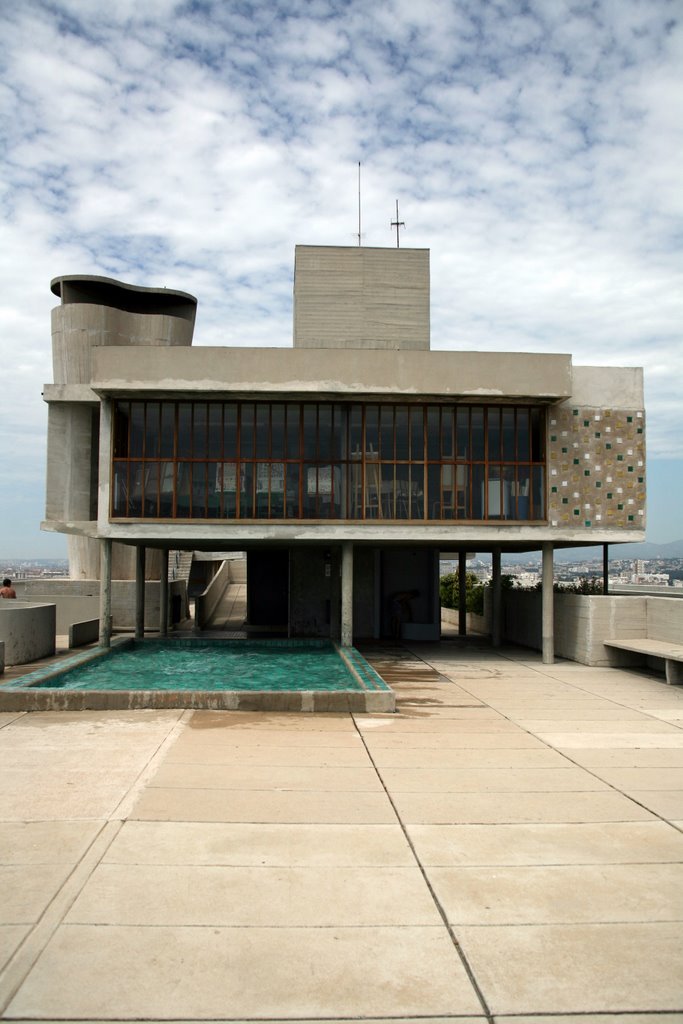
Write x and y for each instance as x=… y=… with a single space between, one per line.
x=218 y=665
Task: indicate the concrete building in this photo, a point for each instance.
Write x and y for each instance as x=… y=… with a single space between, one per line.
x=344 y=466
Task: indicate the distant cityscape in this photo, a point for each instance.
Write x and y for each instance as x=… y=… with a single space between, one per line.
x=664 y=572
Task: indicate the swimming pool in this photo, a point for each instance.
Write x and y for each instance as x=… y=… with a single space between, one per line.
x=299 y=675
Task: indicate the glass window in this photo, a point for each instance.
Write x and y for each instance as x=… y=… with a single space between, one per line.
x=167 y=431
x=184 y=429
x=230 y=431
x=277 y=441
x=293 y=426
x=493 y=435
x=372 y=431
x=522 y=435
x=121 y=425
x=137 y=429
x=462 y=433
x=508 y=430
x=477 y=433
x=447 y=432
x=262 y=435
x=325 y=432
x=386 y=431
x=200 y=428
x=433 y=433
x=417 y=439
x=402 y=445
x=247 y=430
x=211 y=460
x=310 y=432
x=215 y=430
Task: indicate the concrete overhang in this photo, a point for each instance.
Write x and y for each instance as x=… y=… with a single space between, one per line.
x=240 y=536
x=332 y=373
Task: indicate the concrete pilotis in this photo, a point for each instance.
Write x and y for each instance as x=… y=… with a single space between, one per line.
x=548 y=622
x=497 y=622
x=105 y=593
x=347 y=595
x=462 y=593
x=163 y=594
x=140 y=553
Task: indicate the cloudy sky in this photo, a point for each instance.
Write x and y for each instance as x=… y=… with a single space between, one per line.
x=535 y=146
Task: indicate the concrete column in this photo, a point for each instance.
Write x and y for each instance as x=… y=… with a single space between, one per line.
x=105 y=593
x=462 y=593
x=163 y=594
x=497 y=602
x=547 y=623
x=140 y=592
x=347 y=595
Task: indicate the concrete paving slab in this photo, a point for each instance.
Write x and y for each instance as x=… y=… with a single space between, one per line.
x=581 y=1018
x=209 y=895
x=490 y=780
x=55 y=802
x=674 y=715
x=246 y=973
x=580 y=843
x=285 y=777
x=142 y=842
x=11 y=936
x=45 y=842
x=623 y=725
x=667 y=803
x=628 y=779
x=8 y=716
x=560 y=894
x=452 y=740
x=260 y=806
x=235 y=736
x=587 y=968
x=477 y=808
x=529 y=717
x=607 y=740
x=628 y=757
x=27 y=890
x=429 y=723
x=469 y=758
x=238 y=754
x=224 y=721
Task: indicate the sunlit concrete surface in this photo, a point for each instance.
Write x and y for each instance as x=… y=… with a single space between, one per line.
x=508 y=847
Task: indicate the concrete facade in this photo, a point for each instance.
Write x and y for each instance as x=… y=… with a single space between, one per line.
x=361 y=335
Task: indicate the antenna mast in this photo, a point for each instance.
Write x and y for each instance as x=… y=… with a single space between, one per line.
x=359 y=202
x=397 y=224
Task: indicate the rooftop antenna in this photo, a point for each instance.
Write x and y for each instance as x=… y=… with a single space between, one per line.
x=397 y=224
x=359 y=202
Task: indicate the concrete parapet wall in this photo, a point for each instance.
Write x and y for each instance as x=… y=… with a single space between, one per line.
x=77 y=600
x=27 y=630
x=81 y=633
x=584 y=622
x=664 y=619
x=206 y=603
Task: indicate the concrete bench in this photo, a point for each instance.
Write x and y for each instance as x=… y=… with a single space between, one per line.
x=670 y=653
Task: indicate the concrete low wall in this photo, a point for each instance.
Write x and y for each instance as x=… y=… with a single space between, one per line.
x=205 y=605
x=81 y=633
x=28 y=631
x=584 y=622
x=78 y=600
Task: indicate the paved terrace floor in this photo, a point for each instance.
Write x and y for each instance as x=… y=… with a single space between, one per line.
x=507 y=848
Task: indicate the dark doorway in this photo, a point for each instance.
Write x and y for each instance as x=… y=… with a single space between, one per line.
x=268 y=588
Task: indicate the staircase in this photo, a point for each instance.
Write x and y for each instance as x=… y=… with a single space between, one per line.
x=179 y=565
